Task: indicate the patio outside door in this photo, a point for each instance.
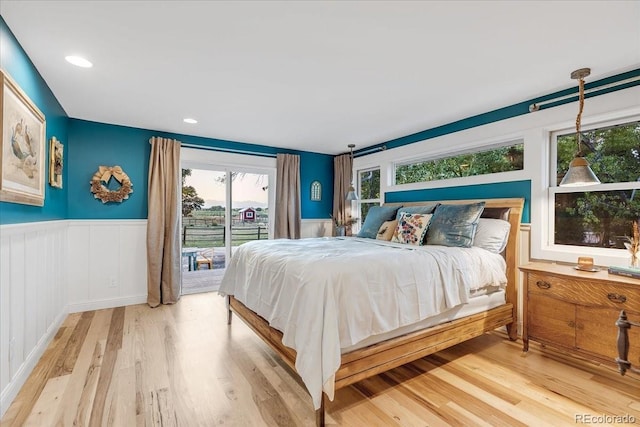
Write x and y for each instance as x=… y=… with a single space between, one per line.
x=222 y=209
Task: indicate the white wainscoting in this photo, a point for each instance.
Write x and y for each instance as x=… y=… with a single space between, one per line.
x=33 y=298
x=315 y=228
x=50 y=269
x=107 y=263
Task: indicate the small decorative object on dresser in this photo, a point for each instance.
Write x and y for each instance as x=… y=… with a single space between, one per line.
x=576 y=311
x=585 y=263
x=633 y=245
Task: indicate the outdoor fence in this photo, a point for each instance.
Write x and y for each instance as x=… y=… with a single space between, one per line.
x=214 y=236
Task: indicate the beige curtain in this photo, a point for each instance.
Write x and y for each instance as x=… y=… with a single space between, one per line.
x=163 y=223
x=288 y=217
x=342 y=166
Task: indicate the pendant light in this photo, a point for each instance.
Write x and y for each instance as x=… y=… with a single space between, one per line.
x=579 y=172
x=351 y=192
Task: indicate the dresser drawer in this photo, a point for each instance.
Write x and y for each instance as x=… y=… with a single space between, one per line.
x=583 y=292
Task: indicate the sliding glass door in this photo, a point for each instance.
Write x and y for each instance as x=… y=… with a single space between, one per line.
x=223 y=207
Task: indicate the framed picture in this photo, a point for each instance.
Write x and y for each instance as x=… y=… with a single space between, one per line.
x=22 y=167
x=56 y=151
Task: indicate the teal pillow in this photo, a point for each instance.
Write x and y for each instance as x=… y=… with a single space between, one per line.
x=454 y=225
x=374 y=219
x=422 y=209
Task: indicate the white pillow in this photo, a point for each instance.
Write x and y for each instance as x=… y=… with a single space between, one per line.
x=492 y=234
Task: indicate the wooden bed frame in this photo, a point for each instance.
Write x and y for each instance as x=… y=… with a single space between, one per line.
x=377 y=358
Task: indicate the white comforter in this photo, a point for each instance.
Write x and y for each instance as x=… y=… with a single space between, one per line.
x=328 y=293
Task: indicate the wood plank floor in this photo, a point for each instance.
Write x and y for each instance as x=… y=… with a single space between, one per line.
x=182 y=365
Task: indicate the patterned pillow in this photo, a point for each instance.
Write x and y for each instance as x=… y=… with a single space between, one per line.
x=422 y=209
x=387 y=229
x=374 y=219
x=454 y=225
x=411 y=228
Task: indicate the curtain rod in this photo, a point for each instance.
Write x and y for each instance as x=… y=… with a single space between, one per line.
x=536 y=106
x=369 y=150
x=228 y=150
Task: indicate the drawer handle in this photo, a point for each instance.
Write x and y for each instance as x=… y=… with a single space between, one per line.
x=543 y=285
x=616 y=297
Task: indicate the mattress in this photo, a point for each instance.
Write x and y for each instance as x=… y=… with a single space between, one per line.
x=475 y=305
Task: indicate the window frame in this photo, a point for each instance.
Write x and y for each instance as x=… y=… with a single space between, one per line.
x=605 y=256
x=479 y=148
x=358 y=203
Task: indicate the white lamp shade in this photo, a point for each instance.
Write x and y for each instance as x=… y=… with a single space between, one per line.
x=351 y=194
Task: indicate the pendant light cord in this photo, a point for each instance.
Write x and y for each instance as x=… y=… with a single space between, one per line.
x=579 y=117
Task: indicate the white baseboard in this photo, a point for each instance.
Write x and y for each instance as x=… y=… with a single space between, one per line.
x=107 y=303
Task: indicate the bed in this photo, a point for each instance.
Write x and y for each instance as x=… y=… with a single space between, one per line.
x=300 y=312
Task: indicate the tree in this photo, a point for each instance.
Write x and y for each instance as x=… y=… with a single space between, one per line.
x=614 y=157
x=502 y=159
x=190 y=199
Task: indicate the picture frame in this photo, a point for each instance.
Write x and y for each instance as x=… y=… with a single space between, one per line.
x=316 y=191
x=56 y=162
x=22 y=165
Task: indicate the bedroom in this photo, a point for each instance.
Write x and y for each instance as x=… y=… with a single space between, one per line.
x=64 y=241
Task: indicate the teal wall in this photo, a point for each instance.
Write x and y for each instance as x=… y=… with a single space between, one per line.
x=93 y=144
x=479 y=191
x=15 y=62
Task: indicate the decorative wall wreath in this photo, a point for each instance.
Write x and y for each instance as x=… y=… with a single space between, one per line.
x=102 y=177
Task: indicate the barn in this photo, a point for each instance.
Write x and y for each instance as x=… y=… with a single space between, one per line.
x=247 y=215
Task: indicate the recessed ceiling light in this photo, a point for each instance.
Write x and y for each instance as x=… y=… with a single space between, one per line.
x=190 y=121
x=78 y=61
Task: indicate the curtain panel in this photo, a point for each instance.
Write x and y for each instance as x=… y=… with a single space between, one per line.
x=342 y=166
x=288 y=220
x=163 y=223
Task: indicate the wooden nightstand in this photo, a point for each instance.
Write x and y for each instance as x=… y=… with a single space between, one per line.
x=577 y=311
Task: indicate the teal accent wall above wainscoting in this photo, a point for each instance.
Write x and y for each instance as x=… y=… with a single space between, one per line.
x=94 y=144
x=479 y=191
x=15 y=62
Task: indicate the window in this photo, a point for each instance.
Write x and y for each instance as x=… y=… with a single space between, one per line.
x=369 y=185
x=497 y=159
x=599 y=215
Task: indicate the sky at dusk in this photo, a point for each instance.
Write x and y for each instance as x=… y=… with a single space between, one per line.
x=247 y=189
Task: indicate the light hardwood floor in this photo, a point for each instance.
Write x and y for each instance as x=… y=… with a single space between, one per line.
x=182 y=365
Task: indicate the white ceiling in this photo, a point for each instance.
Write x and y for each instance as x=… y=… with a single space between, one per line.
x=317 y=75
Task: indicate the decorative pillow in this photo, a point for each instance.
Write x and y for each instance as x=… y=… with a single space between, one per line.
x=422 y=209
x=492 y=234
x=411 y=228
x=386 y=230
x=374 y=219
x=454 y=225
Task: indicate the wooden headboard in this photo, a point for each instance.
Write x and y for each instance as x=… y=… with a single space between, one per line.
x=512 y=251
